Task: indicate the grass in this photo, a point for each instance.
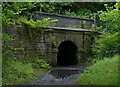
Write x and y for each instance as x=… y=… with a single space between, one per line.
x=103 y=72
x=16 y=72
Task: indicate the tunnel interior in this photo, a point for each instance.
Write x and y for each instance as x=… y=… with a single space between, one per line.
x=67 y=54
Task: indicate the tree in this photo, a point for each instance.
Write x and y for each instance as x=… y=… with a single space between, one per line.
x=13 y=10
x=109 y=43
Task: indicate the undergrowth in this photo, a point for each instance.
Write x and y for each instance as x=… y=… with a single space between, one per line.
x=40 y=64
x=103 y=72
x=16 y=72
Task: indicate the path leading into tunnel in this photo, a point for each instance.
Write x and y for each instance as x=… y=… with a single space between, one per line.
x=60 y=76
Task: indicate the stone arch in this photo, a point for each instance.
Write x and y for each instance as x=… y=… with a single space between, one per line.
x=67 y=53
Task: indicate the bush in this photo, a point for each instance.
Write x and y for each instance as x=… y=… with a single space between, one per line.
x=40 y=64
x=108 y=45
x=103 y=72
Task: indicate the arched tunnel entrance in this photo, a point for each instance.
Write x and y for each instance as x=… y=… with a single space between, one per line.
x=67 y=54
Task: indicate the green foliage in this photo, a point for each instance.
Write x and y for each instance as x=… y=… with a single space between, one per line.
x=32 y=27
x=109 y=44
x=39 y=23
x=40 y=64
x=15 y=72
x=110 y=16
x=7 y=38
x=7 y=49
x=83 y=13
x=53 y=7
x=13 y=10
x=103 y=72
x=83 y=25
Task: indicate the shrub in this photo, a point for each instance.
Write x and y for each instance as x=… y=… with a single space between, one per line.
x=103 y=72
x=40 y=64
x=108 y=45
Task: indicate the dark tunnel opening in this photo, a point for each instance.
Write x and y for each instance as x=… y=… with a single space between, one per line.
x=67 y=54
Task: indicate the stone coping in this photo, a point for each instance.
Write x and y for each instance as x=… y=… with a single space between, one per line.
x=70 y=29
x=66 y=16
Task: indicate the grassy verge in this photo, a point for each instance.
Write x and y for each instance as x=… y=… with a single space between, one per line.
x=103 y=72
x=17 y=72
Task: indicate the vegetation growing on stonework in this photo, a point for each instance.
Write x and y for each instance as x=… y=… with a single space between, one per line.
x=32 y=27
x=16 y=71
x=39 y=23
x=104 y=70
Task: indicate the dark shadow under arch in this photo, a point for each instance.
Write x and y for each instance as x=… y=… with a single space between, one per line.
x=67 y=54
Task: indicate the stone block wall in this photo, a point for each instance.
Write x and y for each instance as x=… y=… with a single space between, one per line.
x=45 y=45
x=64 y=20
x=26 y=47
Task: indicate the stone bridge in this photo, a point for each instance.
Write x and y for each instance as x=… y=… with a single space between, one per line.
x=67 y=44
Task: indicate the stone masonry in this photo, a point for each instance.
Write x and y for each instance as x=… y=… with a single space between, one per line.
x=45 y=45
